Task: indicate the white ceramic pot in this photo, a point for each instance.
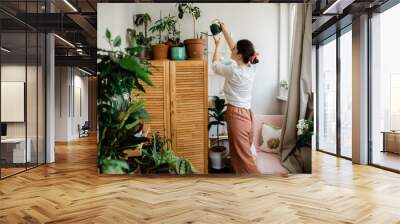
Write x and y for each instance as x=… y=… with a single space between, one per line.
x=217 y=159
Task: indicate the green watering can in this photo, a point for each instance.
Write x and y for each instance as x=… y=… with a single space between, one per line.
x=215 y=27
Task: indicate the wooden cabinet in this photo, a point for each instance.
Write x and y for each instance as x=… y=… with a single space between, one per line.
x=178 y=104
x=158 y=98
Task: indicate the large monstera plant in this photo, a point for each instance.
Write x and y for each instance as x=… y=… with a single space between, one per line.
x=121 y=113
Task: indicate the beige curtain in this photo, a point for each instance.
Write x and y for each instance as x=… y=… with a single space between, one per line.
x=300 y=101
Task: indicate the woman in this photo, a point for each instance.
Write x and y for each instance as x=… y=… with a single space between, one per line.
x=239 y=77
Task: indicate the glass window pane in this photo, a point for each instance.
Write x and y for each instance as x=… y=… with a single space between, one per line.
x=346 y=94
x=13 y=86
x=385 y=84
x=31 y=97
x=327 y=97
x=41 y=98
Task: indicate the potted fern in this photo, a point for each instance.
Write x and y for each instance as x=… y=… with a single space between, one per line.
x=140 y=39
x=195 y=46
x=160 y=49
x=218 y=116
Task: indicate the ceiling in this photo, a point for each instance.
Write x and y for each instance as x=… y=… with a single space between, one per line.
x=332 y=15
x=76 y=20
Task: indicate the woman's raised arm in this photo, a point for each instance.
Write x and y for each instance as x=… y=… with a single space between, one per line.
x=227 y=36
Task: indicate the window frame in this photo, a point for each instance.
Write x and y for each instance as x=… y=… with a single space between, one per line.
x=381 y=9
x=334 y=37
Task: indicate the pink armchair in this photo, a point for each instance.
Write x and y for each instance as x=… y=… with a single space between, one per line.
x=267 y=163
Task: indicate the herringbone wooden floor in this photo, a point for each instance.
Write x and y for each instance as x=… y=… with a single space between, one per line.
x=70 y=191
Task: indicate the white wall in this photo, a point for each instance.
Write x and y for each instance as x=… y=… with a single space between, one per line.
x=17 y=73
x=33 y=126
x=257 y=22
x=67 y=114
x=61 y=103
x=116 y=17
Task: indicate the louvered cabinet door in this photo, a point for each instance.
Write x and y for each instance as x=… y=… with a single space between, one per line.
x=188 y=82
x=157 y=97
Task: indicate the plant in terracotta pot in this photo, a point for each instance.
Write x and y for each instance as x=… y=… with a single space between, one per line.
x=218 y=115
x=196 y=45
x=140 y=39
x=160 y=50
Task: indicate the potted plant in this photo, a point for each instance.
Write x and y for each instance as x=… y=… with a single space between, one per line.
x=139 y=38
x=284 y=86
x=123 y=148
x=160 y=50
x=177 y=49
x=218 y=114
x=305 y=131
x=120 y=114
x=158 y=158
x=196 y=45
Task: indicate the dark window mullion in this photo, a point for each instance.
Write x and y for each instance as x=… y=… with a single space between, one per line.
x=26 y=87
x=338 y=95
x=369 y=100
x=0 y=93
x=317 y=96
x=37 y=90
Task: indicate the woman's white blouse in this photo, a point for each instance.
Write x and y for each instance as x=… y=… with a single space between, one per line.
x=238 y=84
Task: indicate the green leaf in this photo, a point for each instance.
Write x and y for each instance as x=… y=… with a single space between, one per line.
x=123 y=117
x=134 y=66
x=108 y=34
x=115 y=166
x=117 y=41
x=132 y=125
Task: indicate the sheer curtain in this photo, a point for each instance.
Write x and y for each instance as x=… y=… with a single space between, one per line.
x=300 y=101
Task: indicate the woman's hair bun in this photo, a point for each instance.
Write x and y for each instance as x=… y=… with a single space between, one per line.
x=255 y=60
x=246 y=49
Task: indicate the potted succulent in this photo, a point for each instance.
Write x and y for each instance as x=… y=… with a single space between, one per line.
x=177 y=49
x=196 y=45
x=139 y=38
x=284 y=86
x=160 y=50
x=218 y=114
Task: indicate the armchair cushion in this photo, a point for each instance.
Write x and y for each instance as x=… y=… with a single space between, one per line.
x=267 y=162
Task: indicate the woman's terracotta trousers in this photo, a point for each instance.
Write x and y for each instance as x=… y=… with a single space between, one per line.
x=240 y=132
